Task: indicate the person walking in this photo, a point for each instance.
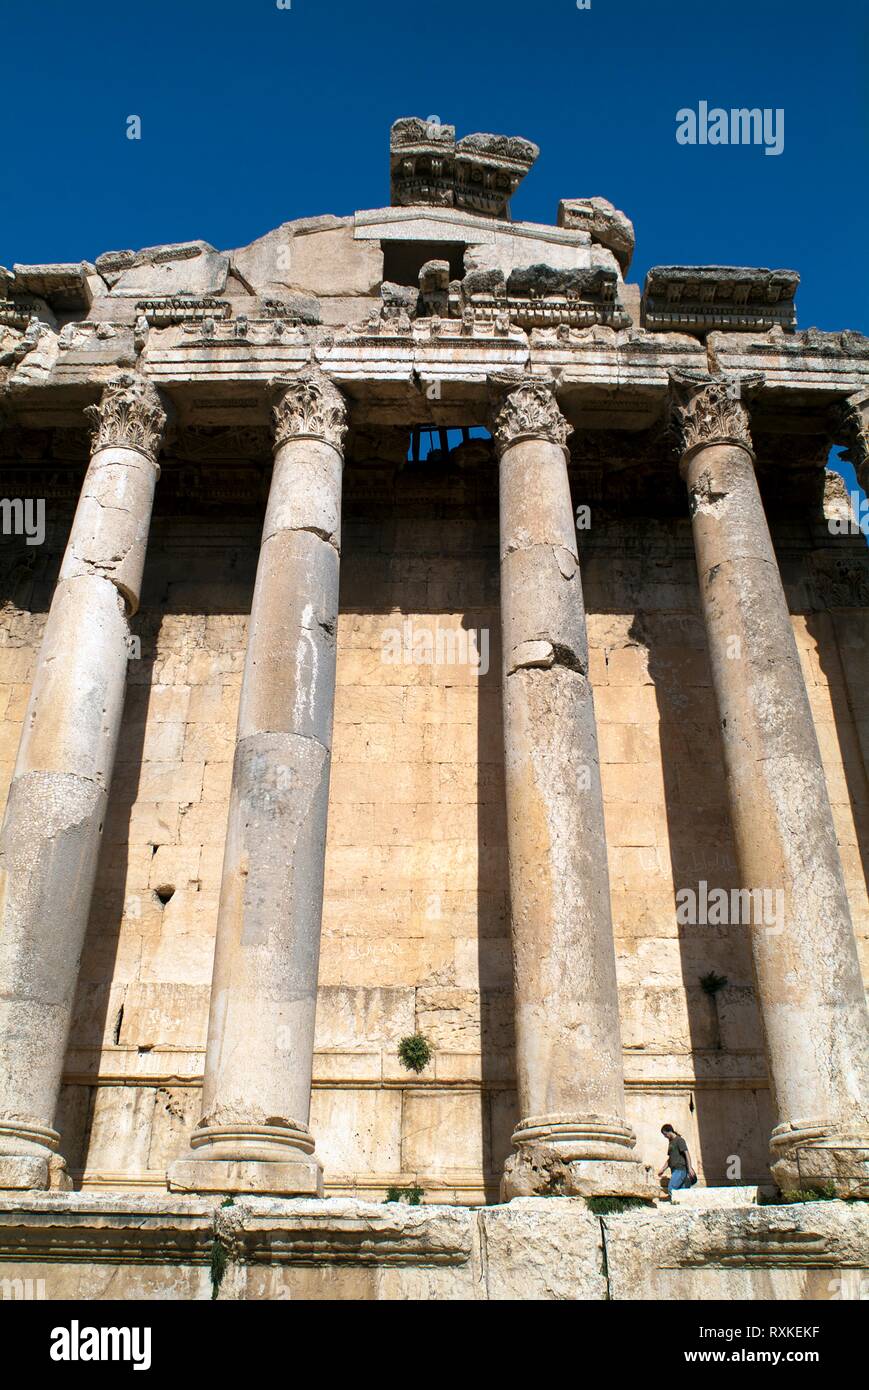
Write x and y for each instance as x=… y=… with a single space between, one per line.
x=678 y=1161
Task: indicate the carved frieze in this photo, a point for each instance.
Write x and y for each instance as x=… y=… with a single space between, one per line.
x=700 y=299
x=309 y=405
x=480 y=173
x=527 y=410
x=17 y=313
x=172 y=309
x=489 y=169
x=129 y=415
x=710 y=410
x=539 y=296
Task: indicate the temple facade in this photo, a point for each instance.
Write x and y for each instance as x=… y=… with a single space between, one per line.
x=434 y=735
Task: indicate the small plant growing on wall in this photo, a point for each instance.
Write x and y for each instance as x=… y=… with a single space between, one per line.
x=410 y=1196
x=823 y=1192
x=713 y=984
x=414 y=1052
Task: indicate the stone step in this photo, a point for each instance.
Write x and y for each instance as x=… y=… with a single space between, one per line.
x=719 y=1196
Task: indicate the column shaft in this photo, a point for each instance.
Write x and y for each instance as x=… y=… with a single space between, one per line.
x=805 y=956
x=49 y=843
x=572 y=1133
x=253 y=1135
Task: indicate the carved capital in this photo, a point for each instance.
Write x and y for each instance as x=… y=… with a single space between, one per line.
x=855 y=428
x=129 y=415
x=310 y=406
x=528 y=410
x=710 y=410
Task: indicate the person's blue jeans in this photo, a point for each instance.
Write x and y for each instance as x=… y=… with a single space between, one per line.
x=678 y=1178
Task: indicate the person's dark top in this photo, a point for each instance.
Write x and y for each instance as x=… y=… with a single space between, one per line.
x=677 y=1153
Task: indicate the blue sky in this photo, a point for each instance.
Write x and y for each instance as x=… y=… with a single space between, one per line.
x=252 y=115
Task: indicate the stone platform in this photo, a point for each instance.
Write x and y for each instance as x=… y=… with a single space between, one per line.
x=100 y=1246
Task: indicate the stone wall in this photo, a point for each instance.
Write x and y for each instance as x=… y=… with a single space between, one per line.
x=530 y=1249
x=415 y=930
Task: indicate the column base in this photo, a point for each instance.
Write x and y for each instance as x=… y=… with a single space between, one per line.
x=816 y=1157
x=29 y=1159
x=295 y=1177
x=576 y=1156
x=537 y=1170
x=26 y=1172
x=276 y=1159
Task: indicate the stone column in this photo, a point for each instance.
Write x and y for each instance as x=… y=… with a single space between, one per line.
x=572 y=1135
x=253 y=1135
x=805 y=956
x=56 y=809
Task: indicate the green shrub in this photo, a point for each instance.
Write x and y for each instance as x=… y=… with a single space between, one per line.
x=823 y=1192
x=219 y=1261
x=414 y=1052
x=608 y=1206
x=410 y=1196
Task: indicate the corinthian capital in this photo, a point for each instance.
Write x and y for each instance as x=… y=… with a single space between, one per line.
x=855 y=425
x=528 y=410
x=129 y=415
x=310 y=406
x=710 y=409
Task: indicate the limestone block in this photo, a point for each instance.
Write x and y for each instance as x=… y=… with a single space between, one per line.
x=314 y=259
x=72 y=1122
x=604 y=224
x=192 y=268
x=358 y=1132
x=120 y=1130
x=799 y=1252
x=163 y=1014
x=175 y=1112
x=701 y=1198
x=507 y=253
x=96 y=1010
x=356 y=1018
x=179 y=952
x=537 y=1248
x=293 y=1177
x=442 y=1133
x=450 y=1018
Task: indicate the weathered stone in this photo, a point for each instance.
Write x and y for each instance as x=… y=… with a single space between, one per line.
x=64 y=286
x=57 y=803
x=542 y=1249
x=698 y=299
x=568 y=1053
x=604 y=223
x=484 y=282
x=809 y=1250
x=806 y=965
x=190 y=267
x=257 y=1089
x=541 y=280
x=414 y=934
x=479 y=173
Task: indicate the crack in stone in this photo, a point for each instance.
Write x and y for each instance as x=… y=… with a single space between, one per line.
x=540 y=654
